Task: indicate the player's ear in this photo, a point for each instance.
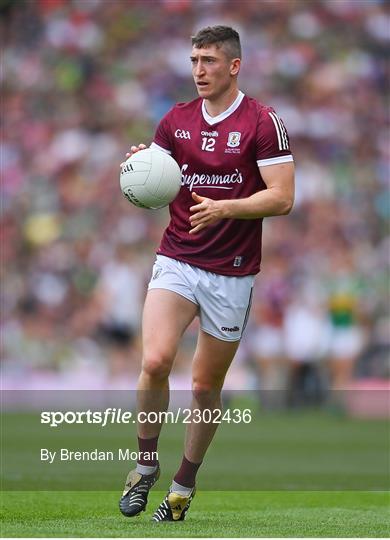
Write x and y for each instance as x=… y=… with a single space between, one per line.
x=235 y=66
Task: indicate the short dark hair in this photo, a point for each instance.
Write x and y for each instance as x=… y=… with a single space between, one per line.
x=221 y=36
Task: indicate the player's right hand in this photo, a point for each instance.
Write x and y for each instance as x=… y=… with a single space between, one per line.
x=133 y=150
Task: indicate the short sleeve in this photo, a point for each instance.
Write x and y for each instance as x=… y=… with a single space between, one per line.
x=162 y=138
x=272 y=141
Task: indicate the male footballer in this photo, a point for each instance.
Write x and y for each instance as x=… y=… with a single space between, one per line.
x=237 y=168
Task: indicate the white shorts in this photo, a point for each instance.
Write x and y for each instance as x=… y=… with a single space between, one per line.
x=224 y=301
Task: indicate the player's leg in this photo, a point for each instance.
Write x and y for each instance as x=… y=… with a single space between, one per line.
x=225 y=304
x=224 y=308
x=165 y=318
x=211 y=362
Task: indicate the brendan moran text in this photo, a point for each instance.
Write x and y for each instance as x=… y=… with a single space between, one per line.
x=121 y=454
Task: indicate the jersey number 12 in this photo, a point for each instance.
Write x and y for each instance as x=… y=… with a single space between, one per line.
x=208 y=144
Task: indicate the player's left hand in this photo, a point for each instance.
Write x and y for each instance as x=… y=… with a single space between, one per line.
x=206 y=212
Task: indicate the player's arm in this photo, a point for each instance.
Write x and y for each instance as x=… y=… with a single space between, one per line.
x=276 y=200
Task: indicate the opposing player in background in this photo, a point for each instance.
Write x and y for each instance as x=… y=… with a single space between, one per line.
x=237 y=168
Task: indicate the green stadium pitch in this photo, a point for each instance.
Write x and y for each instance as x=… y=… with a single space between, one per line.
x=287 y=474
x=213 y=514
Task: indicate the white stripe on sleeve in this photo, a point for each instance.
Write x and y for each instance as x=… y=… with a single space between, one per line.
x=277 y=130
x=274 y=160
x=158 y=147
x=280 y=132
x=284 y=132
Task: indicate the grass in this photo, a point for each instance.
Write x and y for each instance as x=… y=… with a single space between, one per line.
x=213 y=514
x=311 y=474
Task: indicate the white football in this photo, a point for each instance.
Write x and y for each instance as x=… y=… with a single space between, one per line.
x=150 y=179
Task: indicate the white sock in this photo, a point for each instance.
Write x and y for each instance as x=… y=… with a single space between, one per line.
x=146 y=469
x=181 y=490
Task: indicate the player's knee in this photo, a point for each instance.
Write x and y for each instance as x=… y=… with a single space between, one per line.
x=156 y=365
x=205 y=392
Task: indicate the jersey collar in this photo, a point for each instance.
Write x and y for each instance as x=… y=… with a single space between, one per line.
x=211 y=120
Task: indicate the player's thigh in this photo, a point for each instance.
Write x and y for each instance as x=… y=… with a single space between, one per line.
x=166 y=316
x=212 y=360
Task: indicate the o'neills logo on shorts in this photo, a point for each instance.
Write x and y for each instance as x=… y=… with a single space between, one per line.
x=227 y=329
x=218 y=181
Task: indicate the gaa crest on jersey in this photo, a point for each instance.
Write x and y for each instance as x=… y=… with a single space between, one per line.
x=234 y=139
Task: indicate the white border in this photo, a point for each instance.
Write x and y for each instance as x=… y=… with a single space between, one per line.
x=211 y=120
x=155 y=146
x=274 y=160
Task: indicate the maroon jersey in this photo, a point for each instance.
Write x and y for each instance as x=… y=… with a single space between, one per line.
x=219 y=158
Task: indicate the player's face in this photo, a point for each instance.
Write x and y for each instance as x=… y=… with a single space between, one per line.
x=213 y=72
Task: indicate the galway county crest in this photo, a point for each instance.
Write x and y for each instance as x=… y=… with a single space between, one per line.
x=234 y=139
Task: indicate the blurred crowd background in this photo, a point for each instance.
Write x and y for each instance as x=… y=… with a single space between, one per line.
x=82 y=80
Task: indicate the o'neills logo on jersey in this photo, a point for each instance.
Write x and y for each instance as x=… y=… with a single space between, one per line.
x=218 y=181
x=209 y=133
